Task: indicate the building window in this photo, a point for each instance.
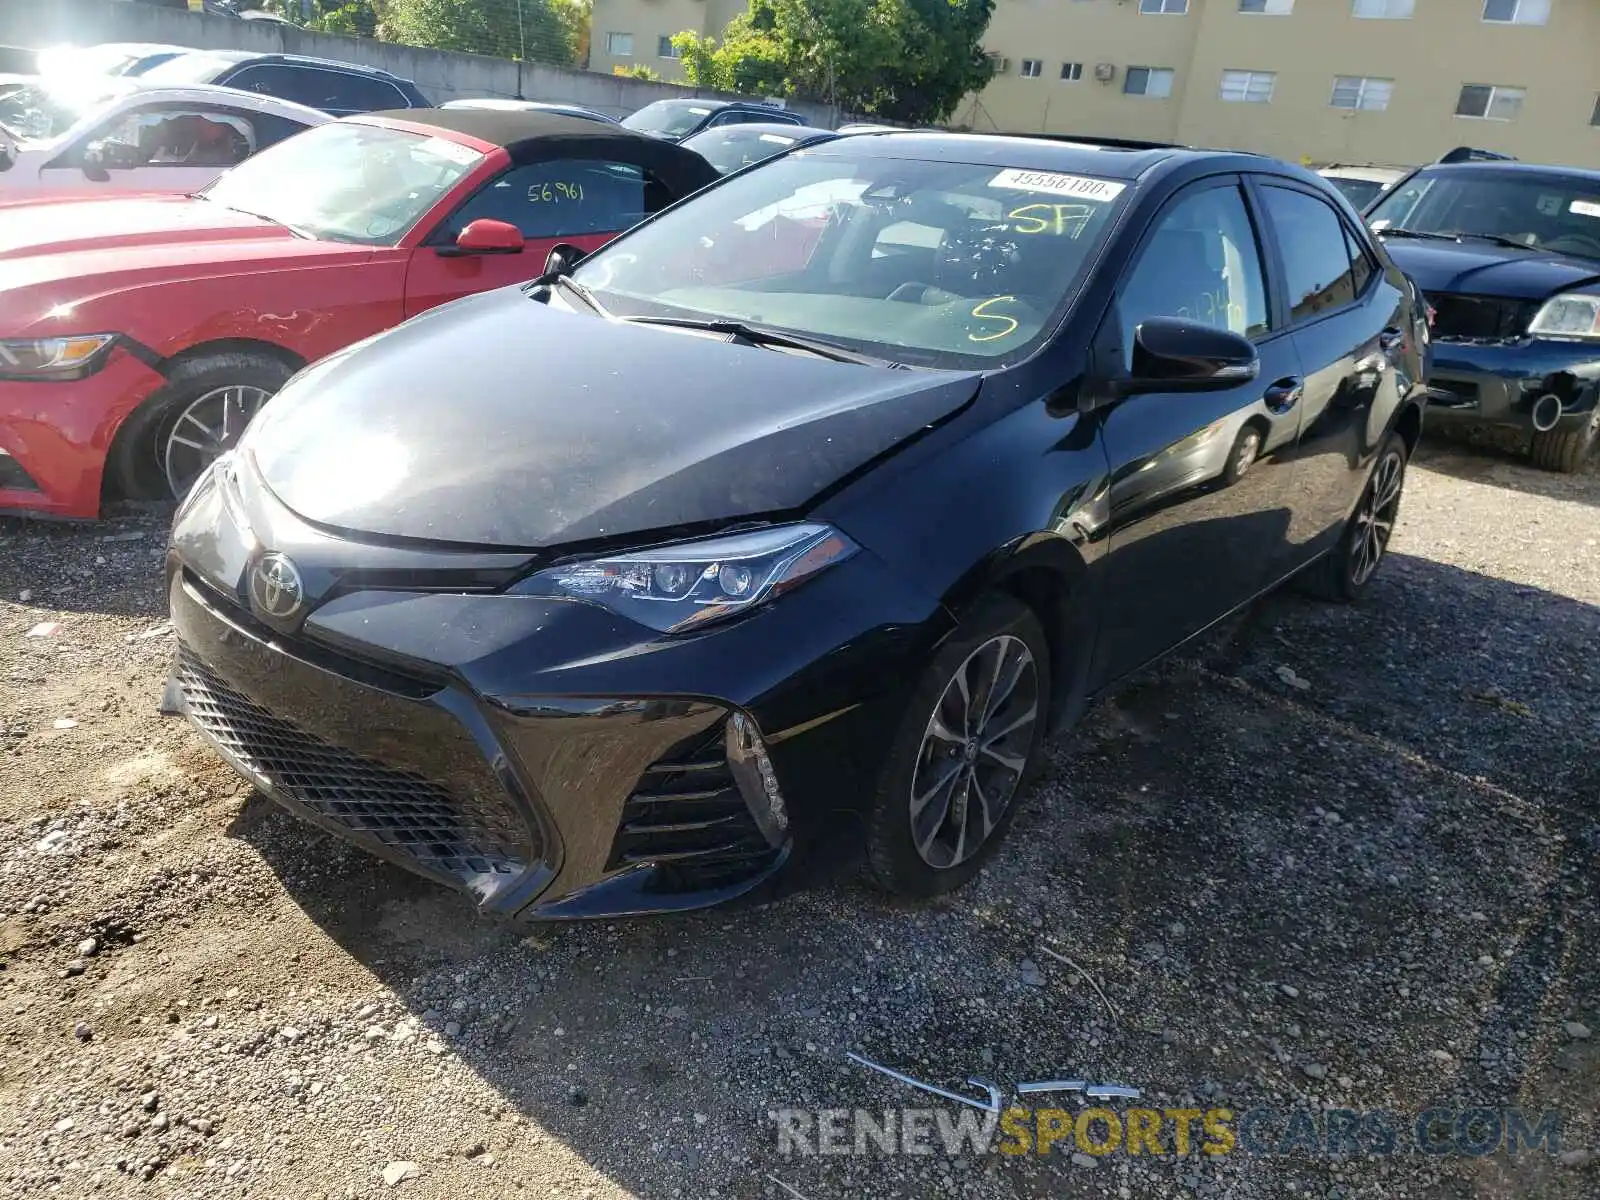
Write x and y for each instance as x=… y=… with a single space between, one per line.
x=1384 y=10
x=1488 y=103
x=1031 y=68
x=1516 y=12
x=1267 y=8
x=665 y=48
x=1175 y=8
x=1361 y=93
x=619 y=45
x=1148 y=81
x=1072 y=72
x=1247 y=87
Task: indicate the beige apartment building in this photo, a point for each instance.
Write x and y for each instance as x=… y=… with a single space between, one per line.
x=1384 y=81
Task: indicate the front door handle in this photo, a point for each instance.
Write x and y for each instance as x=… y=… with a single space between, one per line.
x=1391 y=339
x=1284 y=394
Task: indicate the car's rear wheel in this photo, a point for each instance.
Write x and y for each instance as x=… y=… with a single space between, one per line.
x=971 y=739
x=1346 y=570
x=1566 y=452
x=200 y=412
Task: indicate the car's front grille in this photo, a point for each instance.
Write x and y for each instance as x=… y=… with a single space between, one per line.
x=1480 y=318
x=688 y=818
x=443 y=832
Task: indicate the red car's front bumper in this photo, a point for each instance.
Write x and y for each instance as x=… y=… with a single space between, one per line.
x=57 y=436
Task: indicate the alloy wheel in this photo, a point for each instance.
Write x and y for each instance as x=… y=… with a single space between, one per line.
x=974 y=751
x=1374 y=520
x=207 y=428
x=1244 y=456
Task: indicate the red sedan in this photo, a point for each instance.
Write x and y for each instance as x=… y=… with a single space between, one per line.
x=138 y=336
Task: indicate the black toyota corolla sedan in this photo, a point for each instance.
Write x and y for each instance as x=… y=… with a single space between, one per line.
x=812 y=504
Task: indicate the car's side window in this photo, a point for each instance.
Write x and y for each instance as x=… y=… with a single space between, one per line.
x=1316 y=252
x=1360 y=263
x=348 y=92
x=268 y=79
x=1201 y=263
x=562 y=198
x=174 y=137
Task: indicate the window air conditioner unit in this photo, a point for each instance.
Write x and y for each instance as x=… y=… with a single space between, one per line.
x=1105 y=72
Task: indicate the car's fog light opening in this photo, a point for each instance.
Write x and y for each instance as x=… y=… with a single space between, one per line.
x=1546 y=412
x=752 y=771
x=13 y=478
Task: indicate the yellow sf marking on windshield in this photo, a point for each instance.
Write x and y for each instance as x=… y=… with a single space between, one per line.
x=1012 y=324
x=1038 y=218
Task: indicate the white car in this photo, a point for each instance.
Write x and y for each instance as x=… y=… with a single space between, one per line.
x=108 y=58
x=102 y=135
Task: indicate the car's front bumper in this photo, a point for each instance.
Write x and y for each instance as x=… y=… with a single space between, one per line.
x=1499 y=382
x=544 y=756
x=54 y=437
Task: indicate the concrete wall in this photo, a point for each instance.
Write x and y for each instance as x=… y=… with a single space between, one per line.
x=441 y=75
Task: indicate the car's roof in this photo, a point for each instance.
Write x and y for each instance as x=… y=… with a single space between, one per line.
x=1588 y=174
x=297 y=60
x=1035 y=153
x=1372 y=174
x=506 y=104
x=775 y=129
x=539 y=135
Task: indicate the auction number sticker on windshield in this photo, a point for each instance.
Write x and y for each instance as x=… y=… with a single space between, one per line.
x=1585 y=208
x=1080 y=187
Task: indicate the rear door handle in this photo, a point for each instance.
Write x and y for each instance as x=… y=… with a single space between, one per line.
x=1391 y=339
x=1285 y=394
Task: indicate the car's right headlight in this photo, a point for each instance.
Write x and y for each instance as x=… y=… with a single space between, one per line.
x=1570 y=315
x=688 y=584
x=57 y=358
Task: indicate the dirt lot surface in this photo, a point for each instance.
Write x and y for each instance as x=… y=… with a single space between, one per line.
x=1333 y=858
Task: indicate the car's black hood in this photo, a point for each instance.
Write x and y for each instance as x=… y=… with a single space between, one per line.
x=499 y=421
x=1484 y=269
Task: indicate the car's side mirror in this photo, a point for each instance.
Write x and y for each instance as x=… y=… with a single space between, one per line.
x=1171 y=354
x=486 y=236
x=561 y=260
x=95 y=162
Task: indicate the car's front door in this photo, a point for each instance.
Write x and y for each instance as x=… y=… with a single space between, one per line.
x=1199 y=502
x=1350 y=327
x=155 y=147
x=583 y=202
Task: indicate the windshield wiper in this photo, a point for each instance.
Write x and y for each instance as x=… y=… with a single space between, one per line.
x=1454 y=236
x=294 y=229
x=581 y=291
x=754 y=335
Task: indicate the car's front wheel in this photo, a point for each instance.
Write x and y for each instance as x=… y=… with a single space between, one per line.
x=971 y=739
x=1346 y=570
x=200 y=413
x=1566 y=451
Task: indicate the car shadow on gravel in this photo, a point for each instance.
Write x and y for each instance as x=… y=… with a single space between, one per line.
x=1327 y=857
x=110 y=566
x=1498 y=462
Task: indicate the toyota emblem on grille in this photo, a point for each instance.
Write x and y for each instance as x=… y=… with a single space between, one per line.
x=276 y=588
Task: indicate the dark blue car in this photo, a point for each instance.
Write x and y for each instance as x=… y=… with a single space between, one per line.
x=1508 y=255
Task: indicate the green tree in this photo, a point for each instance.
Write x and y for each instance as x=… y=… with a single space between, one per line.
x=638 y=71
x=910 y=60
x=531 y=29
x=577 y=17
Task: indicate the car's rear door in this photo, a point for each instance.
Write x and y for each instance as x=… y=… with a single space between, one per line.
x=581 y=201
x=1350 y=325
x=1200 y=496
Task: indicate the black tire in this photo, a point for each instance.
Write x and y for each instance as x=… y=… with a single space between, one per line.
x=138 y=465
x=1342 y=575
x=1246 y=449
x=1566 y=452
x=996 y=627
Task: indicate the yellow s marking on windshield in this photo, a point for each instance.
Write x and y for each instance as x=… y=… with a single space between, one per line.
x=1056 y=218
x=1012 y=325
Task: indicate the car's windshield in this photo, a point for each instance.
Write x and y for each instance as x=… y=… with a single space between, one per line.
x=737 y=146
x=347 y=182
x=188 y=68
x=89 y=60
x=673 y=118
x=37 y=111
x=1360 y=192
x=1554 y=212
x=941 y=264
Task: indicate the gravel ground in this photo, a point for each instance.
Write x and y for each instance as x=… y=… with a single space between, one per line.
x=1331 y=858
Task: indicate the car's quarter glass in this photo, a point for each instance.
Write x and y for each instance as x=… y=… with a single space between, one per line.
x=1200 y=496
x=934 y=264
